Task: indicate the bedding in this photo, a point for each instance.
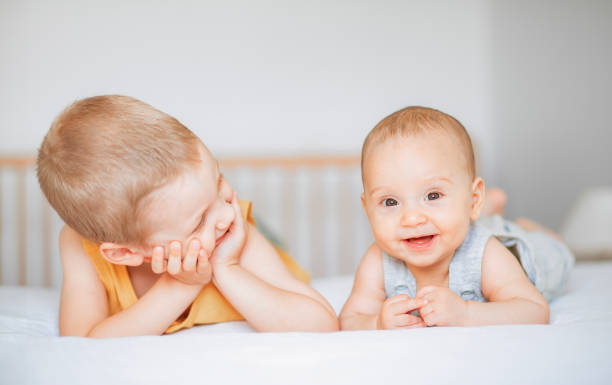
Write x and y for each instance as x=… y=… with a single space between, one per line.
x=575 y=348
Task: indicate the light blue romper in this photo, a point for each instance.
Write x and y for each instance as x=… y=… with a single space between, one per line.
x=546 y=261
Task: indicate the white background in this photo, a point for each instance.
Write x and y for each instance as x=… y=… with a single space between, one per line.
x=530 y=80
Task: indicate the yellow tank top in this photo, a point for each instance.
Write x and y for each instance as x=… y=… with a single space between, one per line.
x=209 y=306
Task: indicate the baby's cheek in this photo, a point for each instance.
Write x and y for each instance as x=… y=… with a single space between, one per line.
x=383 y=230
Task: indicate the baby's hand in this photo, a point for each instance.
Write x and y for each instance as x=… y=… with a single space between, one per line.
x=194 y=269
x=395 y=313
x=228 y=251
x=442 y=306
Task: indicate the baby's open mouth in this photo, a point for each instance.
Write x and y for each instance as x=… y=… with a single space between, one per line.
x=420 y=242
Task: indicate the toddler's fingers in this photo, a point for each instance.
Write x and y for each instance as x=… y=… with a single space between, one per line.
x=191 y=258
x=238 y=220
x=158 y=264
x=203 y=263
x=208 y=240
x=174 y=258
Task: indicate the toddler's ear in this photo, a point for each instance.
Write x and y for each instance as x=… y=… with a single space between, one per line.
x=120 y=254
x=363 y=201
x=478 y=195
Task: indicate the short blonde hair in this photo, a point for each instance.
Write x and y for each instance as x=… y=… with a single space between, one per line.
x=102 y=156
x=419 y=120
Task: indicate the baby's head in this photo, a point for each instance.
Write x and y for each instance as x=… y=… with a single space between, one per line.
x=121 y=172
x=420 y=185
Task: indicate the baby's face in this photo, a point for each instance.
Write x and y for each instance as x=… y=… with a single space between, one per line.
x=419 y=197
x=194 y=205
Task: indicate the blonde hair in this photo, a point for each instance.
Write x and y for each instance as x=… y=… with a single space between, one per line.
x=416 y=120
x=102 y=156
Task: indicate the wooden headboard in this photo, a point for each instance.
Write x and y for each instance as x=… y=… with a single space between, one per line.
x=310 y=204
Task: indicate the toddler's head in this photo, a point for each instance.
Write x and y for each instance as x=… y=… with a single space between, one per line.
x=118 y=170
x=420 y=185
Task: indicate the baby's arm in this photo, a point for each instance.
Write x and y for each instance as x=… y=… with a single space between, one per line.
x=512 y=298
x=263 y=290
x=367 y=307
x=83 y=306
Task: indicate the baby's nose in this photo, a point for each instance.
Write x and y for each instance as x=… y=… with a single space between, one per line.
x=413 y=217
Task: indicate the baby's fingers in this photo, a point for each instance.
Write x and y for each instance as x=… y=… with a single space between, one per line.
x=409 y=321
x=406 y=306
x=430 y=317
x=158 y=263
x=427 y=292
x=174 y=258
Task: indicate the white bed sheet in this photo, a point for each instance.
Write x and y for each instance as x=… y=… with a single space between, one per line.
x=575 y=348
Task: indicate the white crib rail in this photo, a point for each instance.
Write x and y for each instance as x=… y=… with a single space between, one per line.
x=310 y=204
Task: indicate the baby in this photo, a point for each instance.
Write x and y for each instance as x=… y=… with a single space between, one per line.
x=133 y=185
x=430 y=263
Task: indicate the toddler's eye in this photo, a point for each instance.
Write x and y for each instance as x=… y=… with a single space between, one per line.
x=433 y=196
x=389 y=202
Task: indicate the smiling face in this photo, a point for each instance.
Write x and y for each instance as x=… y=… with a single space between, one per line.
x=419 y=197
x=196 y=204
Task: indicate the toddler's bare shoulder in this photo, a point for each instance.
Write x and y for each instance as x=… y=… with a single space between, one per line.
x=72 y=254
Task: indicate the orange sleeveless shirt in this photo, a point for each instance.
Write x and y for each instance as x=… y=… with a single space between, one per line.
x=209 y=306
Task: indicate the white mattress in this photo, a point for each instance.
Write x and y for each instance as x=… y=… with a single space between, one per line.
x=576 y=348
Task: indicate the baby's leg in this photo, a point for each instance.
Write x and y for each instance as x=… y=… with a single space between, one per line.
x=530 y=225
x=495 y=201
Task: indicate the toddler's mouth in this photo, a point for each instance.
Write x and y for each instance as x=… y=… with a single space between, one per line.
x=420 y=242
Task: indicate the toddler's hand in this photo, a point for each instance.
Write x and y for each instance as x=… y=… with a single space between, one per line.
x=442 y=306
x=228 y=251
x=395 y=313
x=194 y=269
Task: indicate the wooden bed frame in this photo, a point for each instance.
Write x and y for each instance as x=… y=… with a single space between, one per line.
x=310 y=203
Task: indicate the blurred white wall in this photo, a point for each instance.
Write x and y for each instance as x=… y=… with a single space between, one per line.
x=551 y=90
x=530 y=80
x=248 y=77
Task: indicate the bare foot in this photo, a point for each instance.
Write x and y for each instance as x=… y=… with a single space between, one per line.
x=495 y=201
x=530 y=225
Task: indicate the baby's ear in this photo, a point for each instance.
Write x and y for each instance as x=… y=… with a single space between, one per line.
x=363 y=201
x=478 y=195
x=121 y=254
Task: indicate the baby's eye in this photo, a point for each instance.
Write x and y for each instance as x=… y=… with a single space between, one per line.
x=389 y=202
x=432 y=196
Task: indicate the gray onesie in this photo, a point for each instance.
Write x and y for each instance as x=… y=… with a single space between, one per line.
x=546 y=261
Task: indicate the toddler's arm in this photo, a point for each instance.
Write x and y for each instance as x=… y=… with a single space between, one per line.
x=367 y=307
x=263 y=290
x=83 y=306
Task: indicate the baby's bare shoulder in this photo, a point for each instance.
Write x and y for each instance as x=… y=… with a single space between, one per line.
x=502 y=273
x=373 y=254
x=370 y=268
